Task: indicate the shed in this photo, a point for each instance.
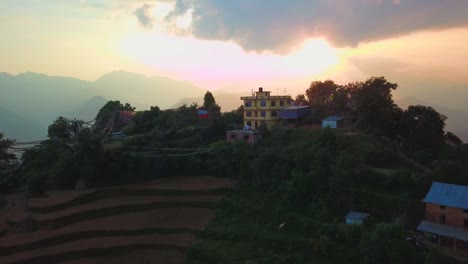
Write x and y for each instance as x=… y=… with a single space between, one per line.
x=333 y=122
x=356 y=218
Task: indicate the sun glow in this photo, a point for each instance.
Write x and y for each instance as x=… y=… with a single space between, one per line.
x=198 y=60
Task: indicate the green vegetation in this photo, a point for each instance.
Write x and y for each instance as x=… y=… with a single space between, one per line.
x=294 y=187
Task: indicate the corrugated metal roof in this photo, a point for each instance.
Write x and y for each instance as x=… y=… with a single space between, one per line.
x=448 y=195
x=294 y=107
x=357 y=215
x=444 y=230
x=333 y=118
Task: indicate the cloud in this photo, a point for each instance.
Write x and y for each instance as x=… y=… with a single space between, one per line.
x=280 y=25
x=144 y=15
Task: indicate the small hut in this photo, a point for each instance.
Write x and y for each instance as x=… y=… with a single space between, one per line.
x=333 y=122
x=356 y=218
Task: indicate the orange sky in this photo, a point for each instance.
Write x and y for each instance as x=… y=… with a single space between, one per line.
x=86 y=39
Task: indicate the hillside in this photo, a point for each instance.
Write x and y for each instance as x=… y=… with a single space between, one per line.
x=15 y=126
x=151 y=222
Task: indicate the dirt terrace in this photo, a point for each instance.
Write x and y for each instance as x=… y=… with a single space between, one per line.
x=194 y=218
x=135 y=257
x=162 y=218
x=182 y=240
x=176 y=183
x=126 y=200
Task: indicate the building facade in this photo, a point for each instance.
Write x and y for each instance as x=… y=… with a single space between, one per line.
x=249 y=136
x=263 y=108
x=446 y=215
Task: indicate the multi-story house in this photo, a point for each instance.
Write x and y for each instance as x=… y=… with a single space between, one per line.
x=263 y=108
x=446 y=215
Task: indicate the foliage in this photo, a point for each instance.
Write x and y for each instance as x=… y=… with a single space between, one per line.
x=108 y=110
x=385 y=244
x=5 y=156
x=60 y=128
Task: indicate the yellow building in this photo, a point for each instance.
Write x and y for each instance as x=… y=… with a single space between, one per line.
x=262 y=107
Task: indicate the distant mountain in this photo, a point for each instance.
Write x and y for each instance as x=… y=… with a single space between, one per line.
x=43 y=98
x=227 y=101
x=88 y=110
x=144 y=92
x=16 y=127
x=456 y=119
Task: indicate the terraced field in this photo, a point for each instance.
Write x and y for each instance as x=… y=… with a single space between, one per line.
x=151 y=222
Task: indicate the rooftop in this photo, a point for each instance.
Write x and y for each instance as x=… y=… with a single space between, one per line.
x=295 y=107
x=444 y=230
x=448 y=195
x=357 y=215
x=333 y=118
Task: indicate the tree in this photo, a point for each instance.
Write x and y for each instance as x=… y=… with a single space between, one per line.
x=321 y=92
x=385 y=244
x=5 y=156
x=301 y=100
x=423 y=130
x=60 y=128
x=208 y=100
x=373 y=103
x=109 y=109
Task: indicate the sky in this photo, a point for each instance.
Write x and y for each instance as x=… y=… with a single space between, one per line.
x=240 y=45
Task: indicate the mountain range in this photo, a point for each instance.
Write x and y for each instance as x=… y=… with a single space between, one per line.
x=30 y=102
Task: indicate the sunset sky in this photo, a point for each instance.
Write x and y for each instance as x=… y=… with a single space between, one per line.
x=239 y=45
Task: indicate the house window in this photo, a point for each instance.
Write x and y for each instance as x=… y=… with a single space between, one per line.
x=273 y=103
x=263 y=114
x=281 y=103
x=274 y=113
x=442 y=219
x=442 y=207
x=246 y=137
x=248 y=104
x=465 y=223
x=249 y=123
x=249 y=113
x=263 y=103
x=233 y=136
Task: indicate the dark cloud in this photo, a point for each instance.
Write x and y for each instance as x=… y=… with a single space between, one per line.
x=279 y=25
x=144 y=15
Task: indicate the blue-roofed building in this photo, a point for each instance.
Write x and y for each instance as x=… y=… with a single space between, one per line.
x=446 y=214
x=333 y=122
x=356 y=218
x=294 y=112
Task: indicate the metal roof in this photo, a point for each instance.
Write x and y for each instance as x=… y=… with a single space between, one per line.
x=333 y=118
x=295 y=107
x=357 y=215
x=444 y=230
x=448 y=195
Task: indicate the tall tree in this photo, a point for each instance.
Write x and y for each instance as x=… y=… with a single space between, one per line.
x=321 y=92
x=110 y=108
x=301 y=100
x=372 y=100
x=208 y=100
x=424 y=130
x=60 y=128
